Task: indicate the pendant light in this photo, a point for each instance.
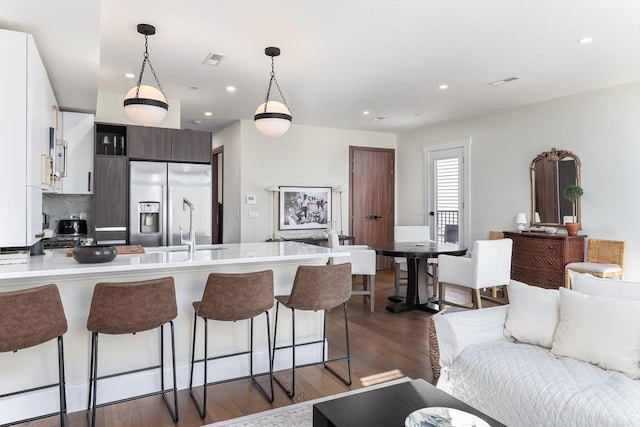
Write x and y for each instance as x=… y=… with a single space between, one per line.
x=146 y=105
x=273 y=118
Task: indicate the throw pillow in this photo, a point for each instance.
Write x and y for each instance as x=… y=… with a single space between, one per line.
x=599 y=330
x=533 y=314
x=588 y=284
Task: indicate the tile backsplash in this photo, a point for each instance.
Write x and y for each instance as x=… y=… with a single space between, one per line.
x=65 y=206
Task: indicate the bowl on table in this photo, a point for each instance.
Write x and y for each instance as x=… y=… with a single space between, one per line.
x=94 y=254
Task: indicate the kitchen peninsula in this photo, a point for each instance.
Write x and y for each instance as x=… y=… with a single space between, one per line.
x=189 y=270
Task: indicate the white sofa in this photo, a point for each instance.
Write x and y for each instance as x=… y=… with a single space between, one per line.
x=550 y=358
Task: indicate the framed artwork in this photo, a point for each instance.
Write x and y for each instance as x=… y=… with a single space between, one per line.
x=304 y=208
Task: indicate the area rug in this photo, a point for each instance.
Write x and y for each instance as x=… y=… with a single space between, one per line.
x=296 y=415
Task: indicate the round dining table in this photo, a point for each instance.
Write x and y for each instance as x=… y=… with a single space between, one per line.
x=417 y=254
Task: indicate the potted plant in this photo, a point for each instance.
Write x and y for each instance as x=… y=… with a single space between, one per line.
x=573 y=192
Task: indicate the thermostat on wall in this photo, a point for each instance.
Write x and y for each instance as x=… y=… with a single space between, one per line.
x=252 y=200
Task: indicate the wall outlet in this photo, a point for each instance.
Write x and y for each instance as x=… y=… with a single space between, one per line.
x=253 y=214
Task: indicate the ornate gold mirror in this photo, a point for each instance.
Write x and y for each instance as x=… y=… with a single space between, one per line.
x=551 y=172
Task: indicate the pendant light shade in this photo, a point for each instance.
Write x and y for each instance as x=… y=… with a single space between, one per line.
x=146 y=105
x=273 y=118
x=148 y=108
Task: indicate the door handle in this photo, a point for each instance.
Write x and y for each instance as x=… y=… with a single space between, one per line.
x=374 y=217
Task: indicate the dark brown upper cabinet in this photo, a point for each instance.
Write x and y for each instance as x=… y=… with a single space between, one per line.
x=190 y=146
x=179 y=145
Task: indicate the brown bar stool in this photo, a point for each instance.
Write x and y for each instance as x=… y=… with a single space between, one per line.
x=316 y=288
x=232 y=297
x=128 y=308
x=31 y=317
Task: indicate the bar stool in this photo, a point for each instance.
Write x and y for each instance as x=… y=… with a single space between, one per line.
x=316 y=288
x=129 y=308
x=232 y=297
x=31 y=317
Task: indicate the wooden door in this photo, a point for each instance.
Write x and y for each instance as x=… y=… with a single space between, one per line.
x=216 y=194
x=371 y=197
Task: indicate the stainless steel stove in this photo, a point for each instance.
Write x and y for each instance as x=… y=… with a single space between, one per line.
x=64 y=242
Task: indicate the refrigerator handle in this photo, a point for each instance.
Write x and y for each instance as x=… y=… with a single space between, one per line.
x=165 y=215
x=168 y=232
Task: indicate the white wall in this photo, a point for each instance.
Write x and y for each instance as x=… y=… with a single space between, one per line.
x=304 y=156
x=230 y=137
x=601 y=127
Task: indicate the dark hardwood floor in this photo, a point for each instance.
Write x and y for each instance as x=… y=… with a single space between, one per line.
x=380 y=342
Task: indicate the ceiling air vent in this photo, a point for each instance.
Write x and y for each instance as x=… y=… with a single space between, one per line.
x=503 y=81
x=213 y=59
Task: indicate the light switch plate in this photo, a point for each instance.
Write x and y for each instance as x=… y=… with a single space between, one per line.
x=252 y=200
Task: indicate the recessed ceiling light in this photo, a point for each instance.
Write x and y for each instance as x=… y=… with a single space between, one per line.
x=585 y=40
x=443 y=87
x=365 y=113
x=231 y=88
x=208 y=113
x=503 y=81
x=130 y=75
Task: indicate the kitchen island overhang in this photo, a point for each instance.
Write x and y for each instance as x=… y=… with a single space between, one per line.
x=189 y=270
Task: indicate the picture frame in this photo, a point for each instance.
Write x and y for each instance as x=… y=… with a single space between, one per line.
x=304 y=208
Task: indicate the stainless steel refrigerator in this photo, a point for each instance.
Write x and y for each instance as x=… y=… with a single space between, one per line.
x=156 y=202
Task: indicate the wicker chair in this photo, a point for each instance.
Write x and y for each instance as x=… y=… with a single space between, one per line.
x=232 y=297
x=605 y=258
x=130 y=308
x=32 y=317
x=316 y=288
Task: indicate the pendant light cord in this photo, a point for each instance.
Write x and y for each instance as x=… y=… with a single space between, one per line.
x=273 y=79
x=146 y=60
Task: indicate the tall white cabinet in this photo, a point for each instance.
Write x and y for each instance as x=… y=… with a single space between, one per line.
x=27 y=125
x=77 y=133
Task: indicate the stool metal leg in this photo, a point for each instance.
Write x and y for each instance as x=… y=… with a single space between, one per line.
x=201 y=405
x=93 y=380
x=172 y=410
x=347 y=380
x=61 y=379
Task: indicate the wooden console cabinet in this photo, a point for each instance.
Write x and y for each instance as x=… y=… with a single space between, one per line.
x=539 y=258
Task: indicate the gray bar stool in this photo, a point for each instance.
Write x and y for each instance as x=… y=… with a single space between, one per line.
x=28 y=318
x=232 y=297
x=129 y=308
x=316 y=288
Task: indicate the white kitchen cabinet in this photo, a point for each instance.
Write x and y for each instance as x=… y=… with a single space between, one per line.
x=27 y=117
x=77 y=134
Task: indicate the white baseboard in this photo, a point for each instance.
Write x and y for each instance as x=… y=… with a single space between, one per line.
x=45 y=401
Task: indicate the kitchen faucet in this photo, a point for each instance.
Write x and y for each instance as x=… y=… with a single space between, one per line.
x=192 y=229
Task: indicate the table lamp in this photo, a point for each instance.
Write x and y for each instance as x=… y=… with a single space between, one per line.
x=521 y=220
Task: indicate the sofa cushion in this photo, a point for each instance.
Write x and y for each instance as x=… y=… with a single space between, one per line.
x=588 y=284
x=599 y=330
x=533 y=314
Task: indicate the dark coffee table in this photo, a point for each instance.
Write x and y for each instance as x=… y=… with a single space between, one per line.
x=387 y=406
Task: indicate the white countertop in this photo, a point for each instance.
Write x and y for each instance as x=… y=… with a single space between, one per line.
x=55 y=262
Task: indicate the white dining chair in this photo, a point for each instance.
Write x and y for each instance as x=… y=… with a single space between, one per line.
x=411 y=233
x=363 y=263
x=488 y=266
